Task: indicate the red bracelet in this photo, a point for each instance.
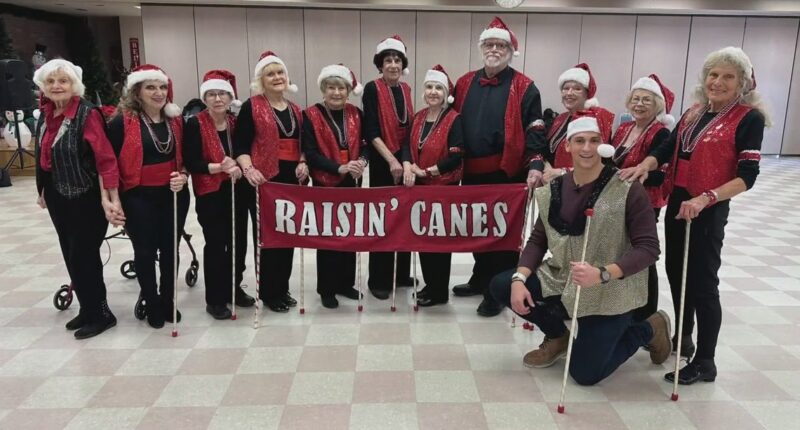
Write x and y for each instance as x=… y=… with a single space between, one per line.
x=712 y=197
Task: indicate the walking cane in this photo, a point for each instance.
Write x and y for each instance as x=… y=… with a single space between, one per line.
x=175 y=264
x=258 y=258
x=302 y=281
x=414 y=262
x=528 y=211
x=681 y=312
x=233 y=247
x=359 y=285
x=394 y=282
x=589 y=213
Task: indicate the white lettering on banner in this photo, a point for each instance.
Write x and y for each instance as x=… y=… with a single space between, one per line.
x=359 y=227
x=500 y=209
x=479 y=220
x=344 y=222
x=376 y=220
x=437 y=221
x=458 y=220
x=308 y=223
x=284 y=211
x=327 y=213
x=416 y=216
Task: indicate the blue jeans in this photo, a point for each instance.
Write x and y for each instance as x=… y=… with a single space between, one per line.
x=604 y=342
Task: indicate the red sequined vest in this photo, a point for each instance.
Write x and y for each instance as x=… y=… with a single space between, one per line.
x=328 y=145
x=131 y=156
x=266 y=148
x=561 y=158
x=392 y=134
x=212 y=153
x=641 y=148
x=435 y=148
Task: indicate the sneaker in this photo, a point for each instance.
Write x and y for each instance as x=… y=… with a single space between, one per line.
x=660 y=346
x=218 y=312
x=550 y=351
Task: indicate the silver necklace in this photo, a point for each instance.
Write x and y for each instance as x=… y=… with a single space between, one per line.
x=278 y=120
x=687 y=142
x=421 y=141
x=627 y=149
x=342 y=134
x=394 y=104
x=164 y=147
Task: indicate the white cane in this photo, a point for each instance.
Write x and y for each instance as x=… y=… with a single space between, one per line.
x=358 y=282
x=394 y=282
x=233 y=248
x=681 y=311
x=528 y=211
x=258 y=258
x=302 y=281
x=589 y=213
x=414 y=263
x=175 y=264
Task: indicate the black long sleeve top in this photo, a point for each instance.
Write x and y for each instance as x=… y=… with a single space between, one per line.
x=193 y=146
x=455 y=139
x=369 y=100
x=116 y=135
x=314 y=157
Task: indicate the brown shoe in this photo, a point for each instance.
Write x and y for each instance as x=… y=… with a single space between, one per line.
x=661 y=344
x=548 y=353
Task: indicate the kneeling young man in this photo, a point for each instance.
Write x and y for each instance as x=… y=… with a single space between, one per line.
x=622 y=243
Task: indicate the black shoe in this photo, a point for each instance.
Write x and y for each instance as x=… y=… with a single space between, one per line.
x=380 y=294
x=243 y=299
x=96 y=326
x=407 y=282
x=351 y=293
x=698 y=370
x=219 y=312
x=489 y=309
x=429 y=301
x=277 y=305
x=155 y=317
x=79 y=321
x=167 y=309
x=330 y=302
x=466 y=290
x=289 y=300
x=687 y=346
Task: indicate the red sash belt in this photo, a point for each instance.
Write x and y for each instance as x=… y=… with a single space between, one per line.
x=682 y=174
x=480 y=165
x=156 y=175
x=289 y=149
x=344 y=156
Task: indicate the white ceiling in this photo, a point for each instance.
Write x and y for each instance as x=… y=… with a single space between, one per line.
x=739 y=7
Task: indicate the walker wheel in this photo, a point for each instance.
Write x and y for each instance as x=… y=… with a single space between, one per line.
x=140 y=310
x=191 y=275
x=128 y=269
x=62 y=298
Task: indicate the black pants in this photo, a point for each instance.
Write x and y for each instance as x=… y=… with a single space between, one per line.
x=436 y=273
x=651 y=306
x=214 y=214
x=604 y=342
x=381 y=264
x=149 y=218
x=336 y=270
x=276 y=263
x=81 y=225
x=489 y=264
x=702 y=282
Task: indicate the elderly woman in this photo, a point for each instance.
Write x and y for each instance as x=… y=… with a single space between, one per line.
x=578 y=88
x=433 y=157
x=649 y=102
x=715 y=150
x=337 y=157
x=147 y=136
x=77 y=178
x=207 y=151
x=388 y=113
x=267 y=146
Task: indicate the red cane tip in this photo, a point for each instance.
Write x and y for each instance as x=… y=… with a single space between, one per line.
x=589 y=212
x=394 y=309
x=233 y=317
x=174 y=333
x=416 y=308
x=674 y=397
x=302 y=311
x=360 y=308
x=560 y=409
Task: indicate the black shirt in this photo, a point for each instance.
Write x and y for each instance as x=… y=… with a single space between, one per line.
x=116 y=135
x=372 y=122
x=455 y=139
x=193 y=146
x=484 y=112
x=315 y=158
x=749 y=134
x=245 y=131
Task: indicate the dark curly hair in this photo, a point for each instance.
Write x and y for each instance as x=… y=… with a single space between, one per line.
x=377 y=60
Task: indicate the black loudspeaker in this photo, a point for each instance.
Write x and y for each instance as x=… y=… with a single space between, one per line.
x=15 y=85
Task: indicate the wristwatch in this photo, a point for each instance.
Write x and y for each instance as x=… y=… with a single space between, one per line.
x=517 y=276
x=605 y=275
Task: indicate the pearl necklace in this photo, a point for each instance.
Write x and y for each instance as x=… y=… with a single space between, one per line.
x=162 y=147
x=278 y=120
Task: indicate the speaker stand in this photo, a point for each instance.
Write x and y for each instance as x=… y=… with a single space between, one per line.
x=20 y=151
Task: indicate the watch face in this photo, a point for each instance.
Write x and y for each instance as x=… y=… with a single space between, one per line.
x=508 y=4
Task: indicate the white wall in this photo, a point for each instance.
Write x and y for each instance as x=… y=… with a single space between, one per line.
x=131 y=26
x=187 y=41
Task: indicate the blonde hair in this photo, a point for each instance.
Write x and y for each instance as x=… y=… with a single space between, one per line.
x=256 y=85
x=130 y=102
x=738 y=59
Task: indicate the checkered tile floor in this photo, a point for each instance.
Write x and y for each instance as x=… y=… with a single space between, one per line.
x=439 y=368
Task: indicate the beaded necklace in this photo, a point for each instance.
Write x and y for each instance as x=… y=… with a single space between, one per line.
x=342 y=134
x=626 y=149
x=278 y=120
x=421 y=141
x=164 y=147
x=394 y=105
x=687 y=142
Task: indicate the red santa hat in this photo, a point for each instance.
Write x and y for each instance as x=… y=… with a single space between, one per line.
x=653 y=84
x=394 y=43
x=437 y=74
x=149 y=72
x=582 y=75
x=593 y=120
x=498 y=29
x=269 y=57
x=222 y=80
x=340 y=71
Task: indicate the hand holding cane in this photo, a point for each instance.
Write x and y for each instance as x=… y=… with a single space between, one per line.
x=589 y=213
x=258 y=257
x=681 y=312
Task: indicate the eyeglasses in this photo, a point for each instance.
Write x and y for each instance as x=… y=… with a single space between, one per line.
x=216 y=94
x=498 y=46
x=646 y=101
